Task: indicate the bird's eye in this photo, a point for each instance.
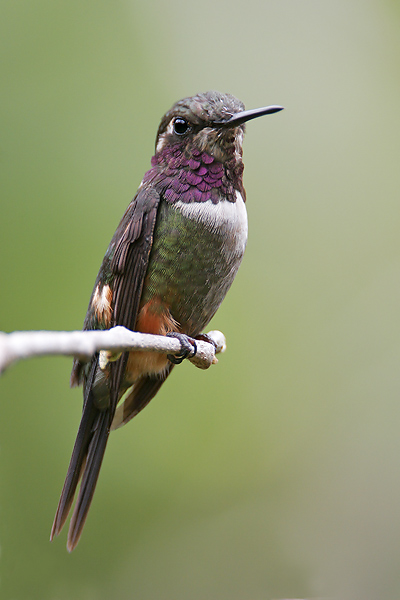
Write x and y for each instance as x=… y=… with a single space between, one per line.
x=181 y=126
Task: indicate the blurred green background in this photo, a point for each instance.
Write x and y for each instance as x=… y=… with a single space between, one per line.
x=275 y=474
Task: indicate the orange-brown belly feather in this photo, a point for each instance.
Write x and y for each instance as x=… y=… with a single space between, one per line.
x=154 y=317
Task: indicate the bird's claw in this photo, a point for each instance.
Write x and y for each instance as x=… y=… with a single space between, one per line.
x=188 y=347
x=204 y=337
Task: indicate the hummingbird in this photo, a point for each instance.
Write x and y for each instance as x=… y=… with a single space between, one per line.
x=166 y=271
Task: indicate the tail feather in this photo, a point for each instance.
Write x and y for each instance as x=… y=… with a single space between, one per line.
x=90 y=475
x=74 y=473
x=90 y=445
x=85 y=464
x=142 y=392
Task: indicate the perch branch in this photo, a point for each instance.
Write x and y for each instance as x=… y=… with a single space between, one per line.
x=83 y=344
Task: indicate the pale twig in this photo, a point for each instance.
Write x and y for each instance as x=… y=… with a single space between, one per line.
x=83 y=344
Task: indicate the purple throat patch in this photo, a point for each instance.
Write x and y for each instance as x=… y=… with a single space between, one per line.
x=195 y=178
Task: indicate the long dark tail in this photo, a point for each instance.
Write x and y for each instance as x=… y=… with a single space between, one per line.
x=89 y=448
x=86 y=459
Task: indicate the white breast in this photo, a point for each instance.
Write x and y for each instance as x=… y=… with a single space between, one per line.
x=228 y=219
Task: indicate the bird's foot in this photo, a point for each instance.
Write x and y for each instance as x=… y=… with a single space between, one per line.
x=188 y=347
x=204 y=337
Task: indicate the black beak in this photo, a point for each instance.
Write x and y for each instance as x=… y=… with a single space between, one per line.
x=246 y=115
